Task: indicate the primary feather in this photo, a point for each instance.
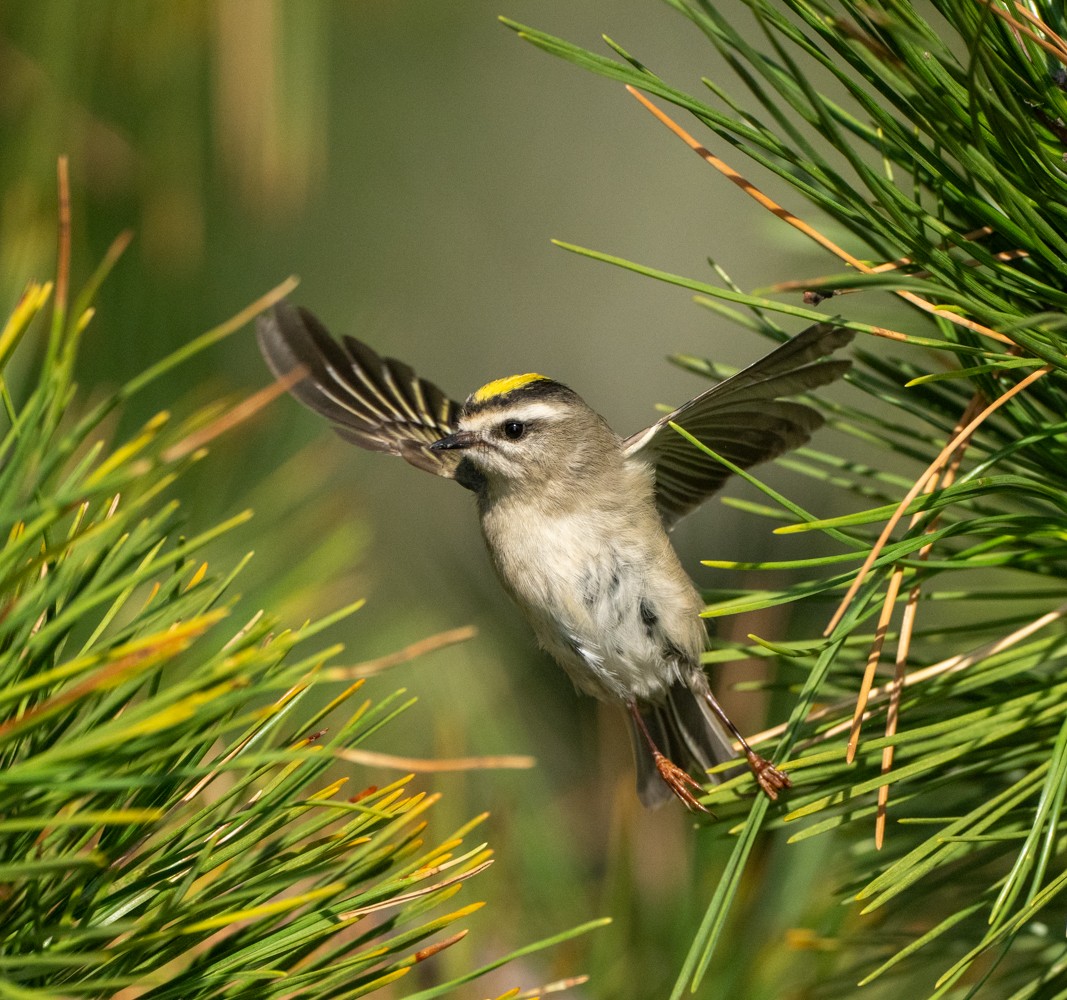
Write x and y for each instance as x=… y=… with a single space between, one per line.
x=743 y=418
x=374 y=402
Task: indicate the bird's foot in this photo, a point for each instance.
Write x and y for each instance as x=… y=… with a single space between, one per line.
x=680 y=782
x=768 y=777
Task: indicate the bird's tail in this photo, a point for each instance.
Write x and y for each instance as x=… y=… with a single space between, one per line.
x=685 y=730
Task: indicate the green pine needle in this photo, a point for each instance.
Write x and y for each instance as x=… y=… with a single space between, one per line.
x=938 y=144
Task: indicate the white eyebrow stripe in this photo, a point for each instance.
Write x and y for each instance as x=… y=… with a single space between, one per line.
x=527 y=412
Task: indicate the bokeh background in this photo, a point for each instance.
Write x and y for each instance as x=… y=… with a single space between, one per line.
x=411 y=160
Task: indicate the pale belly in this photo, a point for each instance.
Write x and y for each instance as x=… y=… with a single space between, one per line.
x=620 y=619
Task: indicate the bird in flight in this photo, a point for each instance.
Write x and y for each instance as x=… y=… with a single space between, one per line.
x=576 y=518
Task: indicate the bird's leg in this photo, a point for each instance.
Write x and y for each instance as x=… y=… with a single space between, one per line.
x=769 y=778
x=678 y=780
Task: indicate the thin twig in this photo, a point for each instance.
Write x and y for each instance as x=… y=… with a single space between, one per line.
x=428 y=645
x=1022 y=29
x=894 y=265
x=557 y=987
x=809 y=284
x=907 y=629
x=892 y=712
x=438 y=946
x=797 y=223
x=63 y=253
x=920 y=483
x=237 y=414
x=407 y=897
x=954 y=664
x=874 y=658
x=1057 y=40
x=896 y=579
x=418 y=765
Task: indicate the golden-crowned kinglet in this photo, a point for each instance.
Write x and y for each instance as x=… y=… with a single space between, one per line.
x=576 y=518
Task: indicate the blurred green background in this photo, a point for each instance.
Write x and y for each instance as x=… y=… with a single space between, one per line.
x=411 y=161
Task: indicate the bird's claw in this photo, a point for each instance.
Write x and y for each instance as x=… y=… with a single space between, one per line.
x=768 y=777
x=680 y=782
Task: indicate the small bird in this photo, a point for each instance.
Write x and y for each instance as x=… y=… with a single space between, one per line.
x=576 y=519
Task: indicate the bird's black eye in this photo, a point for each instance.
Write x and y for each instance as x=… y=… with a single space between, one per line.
x=514 y=429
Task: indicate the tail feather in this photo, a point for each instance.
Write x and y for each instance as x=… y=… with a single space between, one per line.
x=684 y=729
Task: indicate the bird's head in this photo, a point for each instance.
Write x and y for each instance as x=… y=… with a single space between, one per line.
x=526 y=430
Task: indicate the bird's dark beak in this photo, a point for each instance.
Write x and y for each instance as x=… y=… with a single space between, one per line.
x=455 y=442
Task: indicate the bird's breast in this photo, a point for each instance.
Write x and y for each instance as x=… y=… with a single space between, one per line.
x=606 y=597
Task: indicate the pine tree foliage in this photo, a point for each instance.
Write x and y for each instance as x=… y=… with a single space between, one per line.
x=928 y=725
x=174 y=822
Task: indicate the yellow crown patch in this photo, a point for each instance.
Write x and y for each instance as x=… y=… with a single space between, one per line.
x=500 y=386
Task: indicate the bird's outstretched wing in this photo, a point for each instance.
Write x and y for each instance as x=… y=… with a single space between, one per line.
x=377 y=403
x=743 y=418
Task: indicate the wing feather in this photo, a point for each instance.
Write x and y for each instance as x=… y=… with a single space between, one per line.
x=743 y=418
x=377 y=403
